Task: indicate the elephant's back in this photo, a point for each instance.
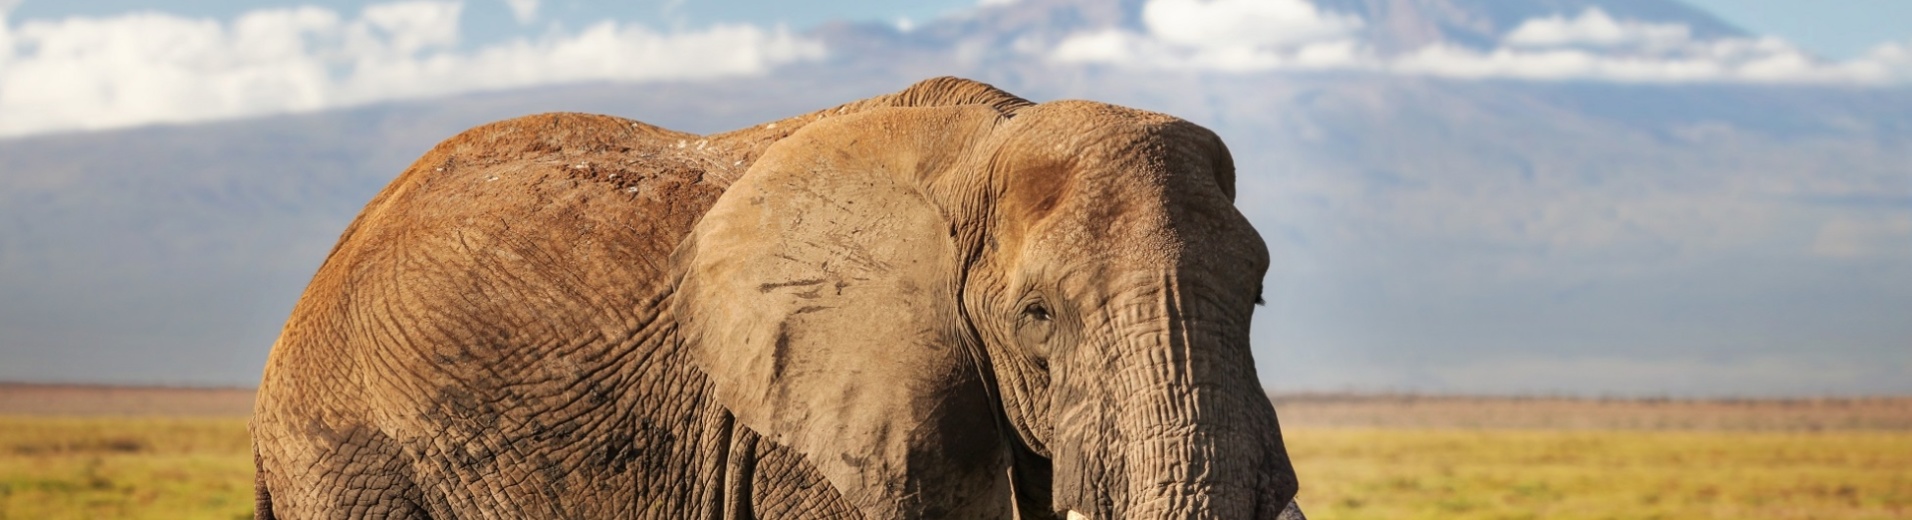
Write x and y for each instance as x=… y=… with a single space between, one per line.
x=516 y=220
x=483 y=312
x=548 y=168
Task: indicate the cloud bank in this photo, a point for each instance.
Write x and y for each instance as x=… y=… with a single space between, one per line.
x=1244 y=36
x=1227 y=35
x=87 y=73
x=147 y=67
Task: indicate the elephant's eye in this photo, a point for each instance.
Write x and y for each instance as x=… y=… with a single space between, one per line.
x=1036 y=311
x=1033 y=330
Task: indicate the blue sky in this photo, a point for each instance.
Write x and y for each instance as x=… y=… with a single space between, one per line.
x=1834 y=28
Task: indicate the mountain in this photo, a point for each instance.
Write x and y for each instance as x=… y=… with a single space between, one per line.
x=1402 y=25
x=1394 y=26
x=1429 y=232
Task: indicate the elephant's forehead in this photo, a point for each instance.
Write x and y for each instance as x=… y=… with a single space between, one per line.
x=1148 y=229
x=1130 y=232
x=1150 y=218
x=1104 y=184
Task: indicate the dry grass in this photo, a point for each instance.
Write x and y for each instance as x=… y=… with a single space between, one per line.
x=1411 y=456
x=1356 y=473
x=181 y=453
x=128 y=468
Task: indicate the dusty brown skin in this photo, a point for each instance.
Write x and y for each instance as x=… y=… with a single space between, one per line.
x=946 y=302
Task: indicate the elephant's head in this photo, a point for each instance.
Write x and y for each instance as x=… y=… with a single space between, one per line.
x=937 y=305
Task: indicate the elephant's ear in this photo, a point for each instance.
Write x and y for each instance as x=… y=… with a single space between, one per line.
x=820 y=296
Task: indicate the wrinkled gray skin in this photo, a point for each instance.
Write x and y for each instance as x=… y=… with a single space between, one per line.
x=946 y=302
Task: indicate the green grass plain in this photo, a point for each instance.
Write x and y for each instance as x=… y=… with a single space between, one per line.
x=1361 y=459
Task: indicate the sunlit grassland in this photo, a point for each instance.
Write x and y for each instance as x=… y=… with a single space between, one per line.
x=54 y=467
x=1352 y=473
x=131 y=468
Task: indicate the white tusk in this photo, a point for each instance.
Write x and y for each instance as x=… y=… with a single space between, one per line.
x=1077 y=516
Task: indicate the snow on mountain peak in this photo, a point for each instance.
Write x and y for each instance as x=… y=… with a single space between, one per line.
x=1627 y=41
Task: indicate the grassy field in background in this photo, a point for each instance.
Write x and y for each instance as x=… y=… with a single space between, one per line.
x=1590 y=474
x=1358 y=457
x=124 y=468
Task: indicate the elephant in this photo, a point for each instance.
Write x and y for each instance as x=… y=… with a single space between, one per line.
x=944 y=302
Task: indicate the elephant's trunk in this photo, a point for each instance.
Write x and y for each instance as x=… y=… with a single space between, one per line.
x=1188 y=432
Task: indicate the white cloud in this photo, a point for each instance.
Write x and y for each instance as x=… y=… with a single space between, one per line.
x=524 y=11
x=1244 y=23
x=141 y=68
x=1595 y=27
x=995 y=2
x=1595 y=46
x=1229 y=35
x=1244 y=36
x=1108 y=45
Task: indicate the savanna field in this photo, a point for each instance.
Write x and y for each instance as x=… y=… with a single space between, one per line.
x=90 y=453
